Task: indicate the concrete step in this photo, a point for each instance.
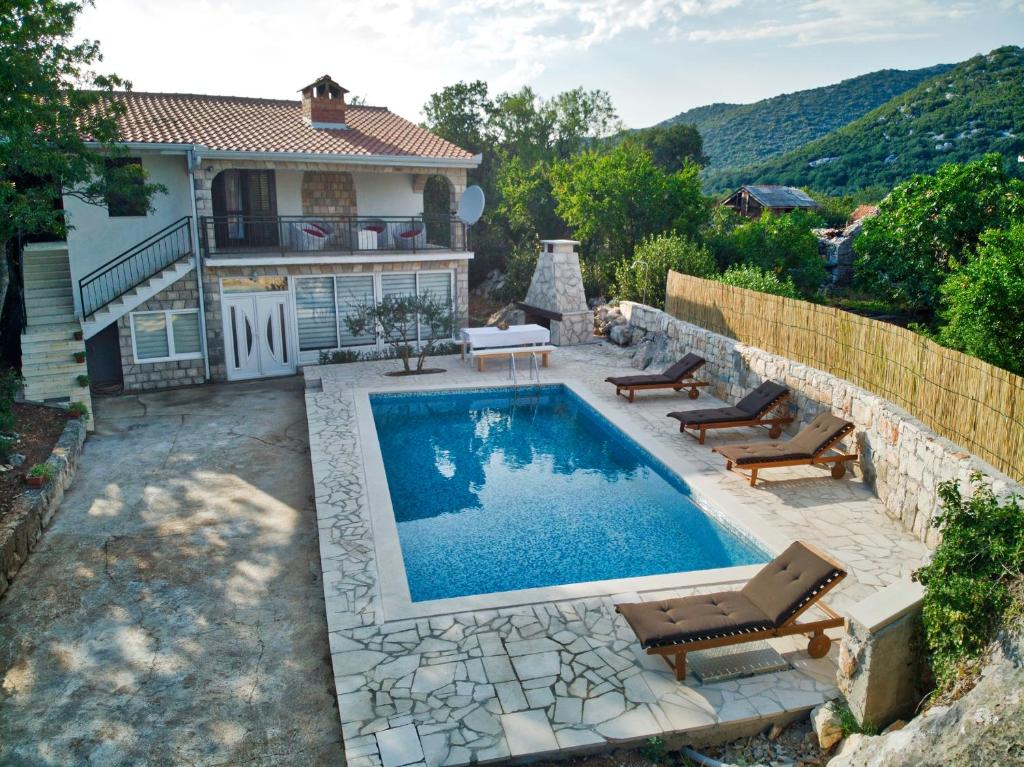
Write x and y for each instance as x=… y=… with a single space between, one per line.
x=47 y=283
x=55 y=330
x=49 y=317
x=35 y=301
x=57 y=291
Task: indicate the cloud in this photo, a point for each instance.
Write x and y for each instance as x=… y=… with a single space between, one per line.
x=833 y=21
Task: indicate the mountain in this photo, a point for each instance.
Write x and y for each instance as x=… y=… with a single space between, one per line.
x=973 y=108
x=742 y=134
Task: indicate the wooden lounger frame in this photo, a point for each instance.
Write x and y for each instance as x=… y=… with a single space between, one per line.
x=776 y=422
x=817 y=646
x=823 y=457
x=684 y=383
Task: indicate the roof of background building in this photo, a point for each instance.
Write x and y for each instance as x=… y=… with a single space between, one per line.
x=773 y=196
x=232 y=123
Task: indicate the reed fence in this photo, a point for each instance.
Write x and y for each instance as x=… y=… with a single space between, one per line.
x=976 y=405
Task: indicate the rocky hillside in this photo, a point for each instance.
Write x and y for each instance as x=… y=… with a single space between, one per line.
x=741 y=134
x=973 y=108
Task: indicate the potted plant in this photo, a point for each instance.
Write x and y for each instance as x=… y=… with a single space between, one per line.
x=79 y=357
x=79 y=335
x=82 y=380
x=38 y=475
x=78 y=410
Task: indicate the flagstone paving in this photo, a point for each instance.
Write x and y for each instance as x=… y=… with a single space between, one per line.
x=555 y=676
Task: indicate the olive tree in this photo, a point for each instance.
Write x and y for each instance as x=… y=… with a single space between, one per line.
x=410 y=325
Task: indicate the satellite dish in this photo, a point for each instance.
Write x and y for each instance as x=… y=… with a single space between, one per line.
x=471 y=206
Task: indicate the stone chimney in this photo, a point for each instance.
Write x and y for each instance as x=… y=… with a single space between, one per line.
x=323 y=104
x=556 y=294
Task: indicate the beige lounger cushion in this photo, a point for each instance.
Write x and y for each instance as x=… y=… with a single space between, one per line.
x=812 y=439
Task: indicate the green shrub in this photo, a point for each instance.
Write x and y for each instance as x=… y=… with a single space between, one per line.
x=519 y=267
x=849 y=722
x=783 y=244
x=10 y=385
x=985 y=301
x=339 y=357
x=642 y=278
x=82 y=380
x=967 y=583
x=78 y=410
x=6 y=447
x=43 y=470
x=750 y=277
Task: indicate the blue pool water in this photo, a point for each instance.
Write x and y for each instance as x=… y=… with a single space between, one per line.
x=496 y=491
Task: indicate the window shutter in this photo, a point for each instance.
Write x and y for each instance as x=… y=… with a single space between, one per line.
x=151 y=336
x=315 y=312
x=185 y=329
x=351 y=293
x=437 y=286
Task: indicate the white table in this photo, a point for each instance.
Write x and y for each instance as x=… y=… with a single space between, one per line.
x=516 y=336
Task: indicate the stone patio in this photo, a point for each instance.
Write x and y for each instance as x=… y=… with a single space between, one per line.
x=561 y=676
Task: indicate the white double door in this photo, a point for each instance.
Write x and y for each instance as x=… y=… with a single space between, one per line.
x=258 y=336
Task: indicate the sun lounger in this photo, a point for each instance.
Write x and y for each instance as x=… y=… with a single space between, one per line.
x=753 y=410
x=768 y=606
x=678 y=376
x=812 y=446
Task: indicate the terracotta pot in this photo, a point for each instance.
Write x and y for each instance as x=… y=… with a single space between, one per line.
x=80 y=359
x=79 y=335
x=74 y=416
x=35 y=481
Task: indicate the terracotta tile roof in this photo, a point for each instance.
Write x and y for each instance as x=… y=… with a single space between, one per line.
x=232 y=123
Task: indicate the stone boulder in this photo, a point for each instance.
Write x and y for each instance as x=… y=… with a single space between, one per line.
x=494 y=280
x=827 y=726
x=509 y=313
x=651 y=350
x=620 y=335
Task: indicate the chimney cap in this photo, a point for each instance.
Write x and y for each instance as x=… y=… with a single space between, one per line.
x=324 y=86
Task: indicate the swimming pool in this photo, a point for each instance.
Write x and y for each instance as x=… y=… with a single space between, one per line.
x=502 y=489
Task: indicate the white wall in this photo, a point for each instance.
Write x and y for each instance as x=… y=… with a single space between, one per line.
x=95 y=237
x=289 y=192
x=386 y=194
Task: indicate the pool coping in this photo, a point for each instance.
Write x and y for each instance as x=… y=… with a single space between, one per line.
x=395 y=600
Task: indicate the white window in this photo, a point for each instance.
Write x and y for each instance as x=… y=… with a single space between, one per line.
x=323 y=303
x=166 y=335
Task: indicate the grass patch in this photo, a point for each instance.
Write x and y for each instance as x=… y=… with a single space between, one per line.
x=849 y=722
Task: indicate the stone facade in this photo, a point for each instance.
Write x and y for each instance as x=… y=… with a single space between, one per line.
x=836 y=249
x=557 y=286
x=328 y=194
x=903 y=459
x=143 y=376
x=212 y=298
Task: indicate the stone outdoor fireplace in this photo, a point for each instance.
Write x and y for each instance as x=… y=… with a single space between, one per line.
x=555 y=298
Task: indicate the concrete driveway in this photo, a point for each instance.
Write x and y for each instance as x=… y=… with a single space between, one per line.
x=173 y=613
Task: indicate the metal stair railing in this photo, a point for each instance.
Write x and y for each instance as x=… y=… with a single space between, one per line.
x=134 y=266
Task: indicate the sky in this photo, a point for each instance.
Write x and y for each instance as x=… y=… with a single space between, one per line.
x=655 y=57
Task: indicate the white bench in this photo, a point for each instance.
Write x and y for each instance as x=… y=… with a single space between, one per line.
x=507 y=351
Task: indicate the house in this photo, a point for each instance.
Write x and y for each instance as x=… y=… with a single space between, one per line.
x=755 y=199
x=278 y=218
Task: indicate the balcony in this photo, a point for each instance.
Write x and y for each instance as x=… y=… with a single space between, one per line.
x=235 y=236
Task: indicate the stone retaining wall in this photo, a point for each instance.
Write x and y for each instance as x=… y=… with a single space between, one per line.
x=901 y=457
x=34 y=509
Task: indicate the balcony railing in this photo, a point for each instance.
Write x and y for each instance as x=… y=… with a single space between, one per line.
x=226 y=236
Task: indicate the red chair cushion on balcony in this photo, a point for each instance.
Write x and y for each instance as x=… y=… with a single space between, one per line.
x=409 y=233
x=314 y=230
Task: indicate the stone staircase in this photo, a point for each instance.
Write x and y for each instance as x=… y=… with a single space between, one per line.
x=48 y=344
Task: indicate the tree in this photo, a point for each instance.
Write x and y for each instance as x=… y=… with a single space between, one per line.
x=752 y=278
x=985 y=301
x=782 y=244
x=673 y=146
x=399 y=320
x=580 y=117
x=459 y=114
x=51 y=99
x=928 y=226
x=613 y=200
x=643 y=277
